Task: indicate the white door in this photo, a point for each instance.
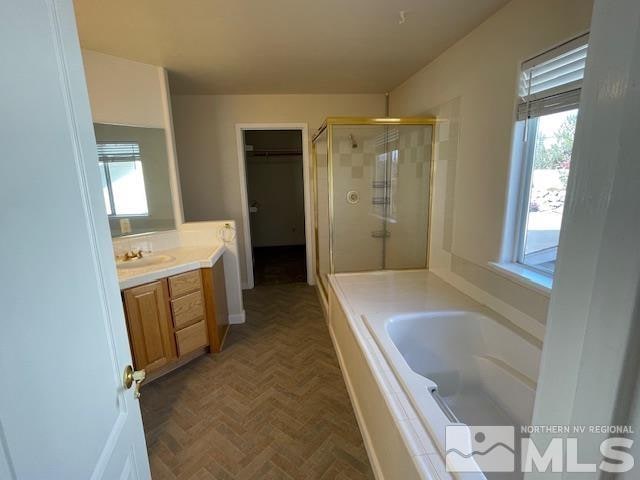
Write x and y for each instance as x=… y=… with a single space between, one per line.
x=64 y=413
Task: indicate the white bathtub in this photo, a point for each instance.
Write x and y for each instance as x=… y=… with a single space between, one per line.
x=460 y=366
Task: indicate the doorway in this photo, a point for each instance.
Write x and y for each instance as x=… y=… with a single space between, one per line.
x=276 y=205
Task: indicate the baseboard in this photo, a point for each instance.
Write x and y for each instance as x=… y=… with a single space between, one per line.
x=366 y=438
x=236 y=318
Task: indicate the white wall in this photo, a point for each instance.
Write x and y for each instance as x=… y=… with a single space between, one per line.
x=125 y=92
x=472 y=86
x=206 y=142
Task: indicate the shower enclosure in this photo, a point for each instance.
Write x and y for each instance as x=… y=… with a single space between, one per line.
x=372 y=194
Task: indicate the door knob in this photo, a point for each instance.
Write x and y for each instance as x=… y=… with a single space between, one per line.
x=132 y=376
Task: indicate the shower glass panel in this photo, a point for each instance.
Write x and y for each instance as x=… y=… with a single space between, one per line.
x=323 y=261
x=409 y=178
x=372 y=194
x=358 y=171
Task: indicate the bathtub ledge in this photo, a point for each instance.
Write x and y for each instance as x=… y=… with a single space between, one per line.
x=424 y=453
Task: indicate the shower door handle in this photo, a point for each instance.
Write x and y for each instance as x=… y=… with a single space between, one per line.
x=381 y=234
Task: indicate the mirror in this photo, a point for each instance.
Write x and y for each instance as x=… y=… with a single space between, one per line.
x=134 y=168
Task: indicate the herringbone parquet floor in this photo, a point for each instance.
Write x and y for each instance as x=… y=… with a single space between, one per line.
x=272 y=405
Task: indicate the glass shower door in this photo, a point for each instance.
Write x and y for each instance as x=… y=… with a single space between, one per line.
x=359 y=163
x=409 y=148
x=372 y=192
x=381 y=182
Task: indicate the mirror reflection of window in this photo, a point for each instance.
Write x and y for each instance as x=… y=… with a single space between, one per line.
x=135 y=173
x=122 y=179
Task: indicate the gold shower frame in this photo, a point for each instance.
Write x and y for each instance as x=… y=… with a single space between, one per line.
x=327 y=126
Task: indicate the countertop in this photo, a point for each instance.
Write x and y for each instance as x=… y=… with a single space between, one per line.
x=185 y=259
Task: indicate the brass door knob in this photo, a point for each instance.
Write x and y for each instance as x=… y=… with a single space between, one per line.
x=132 y=376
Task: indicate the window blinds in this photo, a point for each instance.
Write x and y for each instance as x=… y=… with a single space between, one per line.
x=118 y=152
x=551 y=82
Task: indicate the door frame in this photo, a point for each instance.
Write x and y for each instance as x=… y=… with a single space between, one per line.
x=244 y=197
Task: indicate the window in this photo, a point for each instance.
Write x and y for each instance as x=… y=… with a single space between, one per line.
x=547 y=113
x=122 y=179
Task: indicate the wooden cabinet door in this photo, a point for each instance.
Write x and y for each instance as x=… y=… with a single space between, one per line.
x=150 y=329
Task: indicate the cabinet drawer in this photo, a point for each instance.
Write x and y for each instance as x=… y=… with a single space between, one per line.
x=184 y=283
x=191 y=338
x=187 y=309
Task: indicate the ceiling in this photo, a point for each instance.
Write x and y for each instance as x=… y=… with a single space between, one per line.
x=280 y=46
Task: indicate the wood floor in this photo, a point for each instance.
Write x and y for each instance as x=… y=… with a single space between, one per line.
x=272 y=405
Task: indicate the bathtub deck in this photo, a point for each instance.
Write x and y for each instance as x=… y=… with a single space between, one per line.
x=378 y=303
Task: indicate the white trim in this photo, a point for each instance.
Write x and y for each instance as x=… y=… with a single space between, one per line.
x=511 y=225
x=244 y=200
x=525 y=276
x=530 y=129
x=244 y=197
x=236 y=318
x=174 y=174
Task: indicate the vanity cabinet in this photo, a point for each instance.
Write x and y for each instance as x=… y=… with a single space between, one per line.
x=175 y=319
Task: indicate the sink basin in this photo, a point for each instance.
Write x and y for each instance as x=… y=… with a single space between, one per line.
x=145 y=261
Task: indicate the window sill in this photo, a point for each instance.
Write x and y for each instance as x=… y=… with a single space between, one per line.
x=524 y=276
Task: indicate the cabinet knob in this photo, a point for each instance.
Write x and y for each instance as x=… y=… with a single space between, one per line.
x=132 y=376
